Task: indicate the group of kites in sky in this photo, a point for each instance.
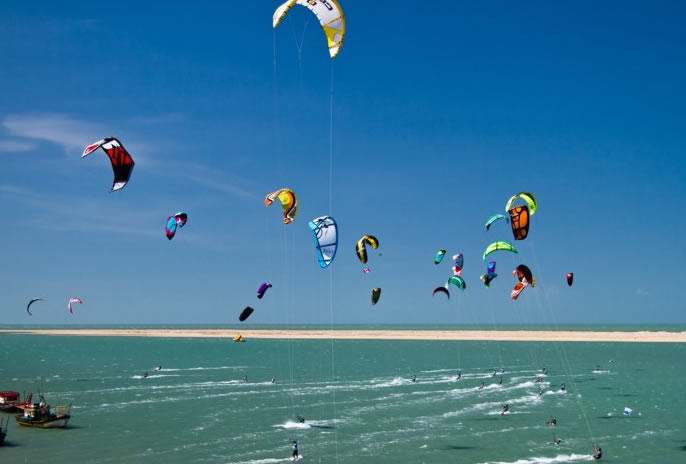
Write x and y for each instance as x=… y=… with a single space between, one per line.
x=520 y=208
x=324 y=228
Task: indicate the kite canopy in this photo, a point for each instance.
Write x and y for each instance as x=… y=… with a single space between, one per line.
x=262 y=289
x=72 y=302
x=325 y=231
x=122 y=163
x=245 y=314
x=498 y=246
x=376 y=294
x=490 y=274
x=361 y=247
x=524 y=277
x=519 y=220
x=330 y=16
x=441 y=289
x=527 y=197
x=458 y=282
x=493 y=219
x=30 y=303
x=570 y=278
x=173 y=222
x=288 y=200
x=458 y=264
x=439 y=256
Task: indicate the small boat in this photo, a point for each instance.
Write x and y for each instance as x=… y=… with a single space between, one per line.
x=39 y=415
x=10 y=401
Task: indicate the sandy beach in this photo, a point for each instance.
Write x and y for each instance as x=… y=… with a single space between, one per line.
x=318 y=334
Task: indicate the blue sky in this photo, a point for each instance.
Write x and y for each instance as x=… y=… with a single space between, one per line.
x=442 y=111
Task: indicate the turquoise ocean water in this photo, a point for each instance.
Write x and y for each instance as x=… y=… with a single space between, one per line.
x=357 y=397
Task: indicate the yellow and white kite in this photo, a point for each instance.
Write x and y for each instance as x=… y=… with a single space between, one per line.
x=330 y=16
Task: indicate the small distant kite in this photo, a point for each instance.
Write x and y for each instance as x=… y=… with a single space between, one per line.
x=458 y=282
x=245 y=314
x=330 y=16
x=361 y=246
x=519 y=220
x=72 y=302
x=325 y=231
x=490 y=274
x=122 y=162
x=525 y=279
x=288 y=201
x=376 y=294
x=496 y=217
x=442 y=289
x=262 y=289
x=439 y=256
x=28 y=306
x=173 y=222
x=498 y=246
x=570 y=278
x=458 y=264
x=528 y=198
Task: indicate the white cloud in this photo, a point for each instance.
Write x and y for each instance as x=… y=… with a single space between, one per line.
x=61 y=129
x=15 y=146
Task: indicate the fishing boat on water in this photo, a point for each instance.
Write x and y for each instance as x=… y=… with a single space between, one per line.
x=41 y=416
x=10 y=401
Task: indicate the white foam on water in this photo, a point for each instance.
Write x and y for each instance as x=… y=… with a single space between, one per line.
x=268 y=460
x=292 y=425
x=544 y=460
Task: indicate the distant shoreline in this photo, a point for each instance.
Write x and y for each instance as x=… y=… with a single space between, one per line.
x=642 y=336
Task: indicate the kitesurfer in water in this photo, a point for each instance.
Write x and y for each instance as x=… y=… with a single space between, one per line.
x=481 y=387
x=414 y=378
x=551 y=422
x=158 y=368
x=296 y=455
x=500 y=382
x=300 y=419
x=273 y=380
x=556 y=440
x=459 y=375
x=597 y=452
x=245 y=379
x=544 y=371
x=563 y=387
x=145 y=376
x=506 y=409
x=494 y=373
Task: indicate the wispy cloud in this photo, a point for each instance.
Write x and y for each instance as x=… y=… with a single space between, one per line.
x=84 y=215
x=216 y=180
x=78 y=214
x=61 y=129
x=15 y=146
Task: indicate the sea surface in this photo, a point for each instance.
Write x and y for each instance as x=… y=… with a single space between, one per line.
x=358 y=399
